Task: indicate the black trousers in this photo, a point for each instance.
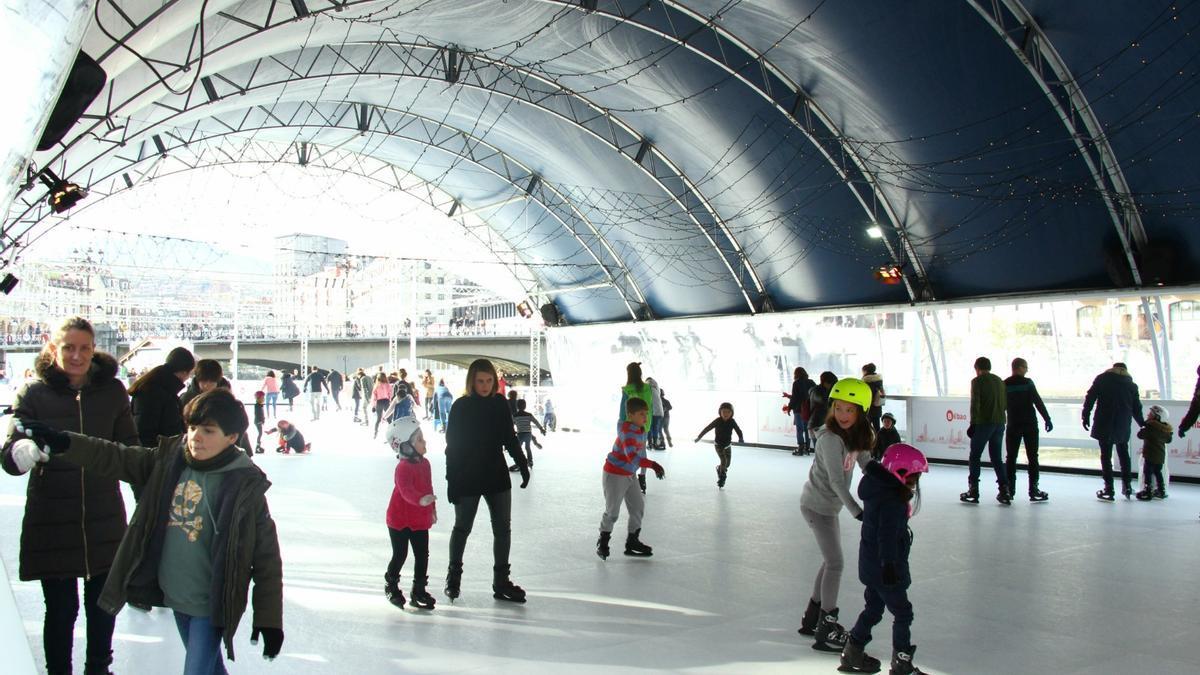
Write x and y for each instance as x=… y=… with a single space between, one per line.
x=401 y=540
x=500 y=509
x=1153 y=473
x=62 y=608
x=1013 y=435
x=1106 y=450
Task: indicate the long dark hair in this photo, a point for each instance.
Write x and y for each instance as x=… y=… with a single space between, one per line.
x=633 y=374
x=481 y=366
x=799 y=374
x=860 y=435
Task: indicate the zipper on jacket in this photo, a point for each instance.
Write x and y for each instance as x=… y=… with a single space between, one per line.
x=87 y=568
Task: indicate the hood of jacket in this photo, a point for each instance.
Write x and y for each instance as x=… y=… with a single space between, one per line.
x=103 y=369
x=1160 y=426
x=872 y=378
x=879 y=483
x=163 y=379
x=1122 y=372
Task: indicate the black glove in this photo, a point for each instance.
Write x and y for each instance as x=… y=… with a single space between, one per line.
x=1181 y=431
x=659 y=471
x=1049 y=426
x=1086 y=424
x=858 y=516
x=272 y=641
x=524 y=469
x=890 y=578
x=50 y=439
x=970 y=431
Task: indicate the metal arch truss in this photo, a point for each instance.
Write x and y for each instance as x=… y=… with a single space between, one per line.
x=702 y=35
x=1021 y=32
x=355 y=61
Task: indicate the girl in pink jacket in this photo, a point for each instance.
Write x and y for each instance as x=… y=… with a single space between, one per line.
x=410 y=513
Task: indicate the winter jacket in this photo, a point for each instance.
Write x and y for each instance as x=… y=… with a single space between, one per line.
x=628 y=452
x=1022 y=397
x=444 y=397
x=288 y=387
x=1193 y=411
x=656 y=404
x=245 y=546
x=723 y=438
x=1115 y=397
x=884 y=438
x=413 y=480
x=988 y=399
x=74 y=519
x=875 y=382
x=478 y=432
x=800 y=391
x=315 y=383
x=632 y=391
x=885 y=534
x=828 y=487
x=335 y=382
x=157 y=410
x=1157 y=435
x=818 y=405
x=361 y=389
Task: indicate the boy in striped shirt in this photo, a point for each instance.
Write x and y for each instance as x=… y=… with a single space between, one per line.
x=525 y=422
x=620 y=480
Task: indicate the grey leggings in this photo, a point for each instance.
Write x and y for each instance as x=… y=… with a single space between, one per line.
x=829 y=540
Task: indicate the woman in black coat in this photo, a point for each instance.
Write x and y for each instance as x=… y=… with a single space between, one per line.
x=154 y=397
x=74 y=519
x=1115 y=396
x=480 y=429
x=289 y=388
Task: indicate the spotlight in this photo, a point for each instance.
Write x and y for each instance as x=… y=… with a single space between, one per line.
x=525 y=309
x=8 y=283
x=889 y=275
x=875 y=232
x=63 y=195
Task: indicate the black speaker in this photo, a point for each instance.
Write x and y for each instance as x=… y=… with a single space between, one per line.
x=84 y=83
x=8 y=284
x=550 y=314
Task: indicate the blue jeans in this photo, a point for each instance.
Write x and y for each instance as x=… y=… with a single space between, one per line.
x=991 y=435
x=203 y=645
x=272 y=404
x=656 y=431
x=801 y=430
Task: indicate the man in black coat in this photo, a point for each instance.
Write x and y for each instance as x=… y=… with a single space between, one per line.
x=1115 y=397
x=1193 y=411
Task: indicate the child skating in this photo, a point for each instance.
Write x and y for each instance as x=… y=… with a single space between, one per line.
x=620 y=485
x=1156 y=435
x=411 y=512
x=290 y=438
x=260 y=418
x=525 y=421
x=891 y=494
x=724 y=425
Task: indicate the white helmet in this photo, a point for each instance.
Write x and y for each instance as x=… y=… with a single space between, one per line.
x=401 y=431
x=1160 y=412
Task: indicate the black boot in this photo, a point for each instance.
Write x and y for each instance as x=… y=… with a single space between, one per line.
x=1126 y=489
x=1105 y=494
x=642 y=482
x=831 y=637
x=855 y=660
x=971 y=495
x=602 y=545
x=808 y=624
x=1003 y=496
x=421 y=599
x=1036 y=495
x=902 y=662
x=503 y=588
x=391 y=589
x=1145 y=494
x=453 y=580
x=1160 y=493
x=635 y=547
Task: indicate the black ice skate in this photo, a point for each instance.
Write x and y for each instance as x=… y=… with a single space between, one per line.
x=1126 y=490
x=1144 y=495
x=453 y=580
x=504 y=589
x=1003 y=497
x=1036 y=495
x=421 y=599
x=1105 y=494
x=902 y=662
x=808 y=624
x=602 y=545
x=721 y=474
x=830 y=635
x=971 y=496
x=1160 y=493
x=642 y=482
x=855 y=660
x=391 y=590
x=635 y=547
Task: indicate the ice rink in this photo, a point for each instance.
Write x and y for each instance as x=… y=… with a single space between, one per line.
x=1070 y=586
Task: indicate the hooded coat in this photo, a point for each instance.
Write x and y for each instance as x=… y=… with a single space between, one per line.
x=157 y=410
x=478 y=432
x=1156 y=434
x=885 y=534
x=1115 y=396
x=74 y=518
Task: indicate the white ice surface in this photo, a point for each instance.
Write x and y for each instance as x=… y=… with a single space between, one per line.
x=1070 y=586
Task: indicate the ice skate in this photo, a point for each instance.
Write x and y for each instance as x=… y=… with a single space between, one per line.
x=642 y=482
x=808 y=624
x=1105 y=494
x=830 y=635
x=856 y=660
x=453 y=580
x=504 y=589
x=902 y=662
x=1126 y=489
x=721 y=474
x=421 y=599
x=971 y=496
x=1003 y=497
x=391 y=590
x=1036 y=495
x=1160 y=493
x=635 y=547
x=1144 y=495
x=258 y=450
x=602 y=545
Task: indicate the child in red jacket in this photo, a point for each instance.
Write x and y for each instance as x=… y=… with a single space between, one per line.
x=410 y=513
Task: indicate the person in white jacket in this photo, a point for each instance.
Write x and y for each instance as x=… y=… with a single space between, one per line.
x=655 y=440
x=845 y=439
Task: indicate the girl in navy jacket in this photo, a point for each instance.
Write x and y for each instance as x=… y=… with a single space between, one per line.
x=890 y=493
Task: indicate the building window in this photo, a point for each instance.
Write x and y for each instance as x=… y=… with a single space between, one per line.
x=1184 y=314
x=1087 y=322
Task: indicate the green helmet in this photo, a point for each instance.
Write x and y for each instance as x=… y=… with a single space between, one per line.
x=852 y=390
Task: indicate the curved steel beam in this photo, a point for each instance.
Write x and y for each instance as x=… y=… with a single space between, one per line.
x=702 y=35
x=393 y=59
x=1009 y=18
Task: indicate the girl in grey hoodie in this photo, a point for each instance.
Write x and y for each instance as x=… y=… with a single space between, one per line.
x=845 y=439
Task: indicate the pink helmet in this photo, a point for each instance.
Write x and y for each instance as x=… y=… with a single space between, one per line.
x=904 y=460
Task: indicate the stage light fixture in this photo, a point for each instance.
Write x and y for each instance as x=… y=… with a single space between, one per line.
x=875 y=232
x=8 y=283
x=525 y=309
x=889 y=275
x=63 y=194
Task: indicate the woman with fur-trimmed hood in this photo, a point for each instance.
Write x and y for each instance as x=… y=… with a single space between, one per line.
x=1114 y=395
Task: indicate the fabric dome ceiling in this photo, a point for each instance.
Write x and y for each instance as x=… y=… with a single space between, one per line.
x=683 y=157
